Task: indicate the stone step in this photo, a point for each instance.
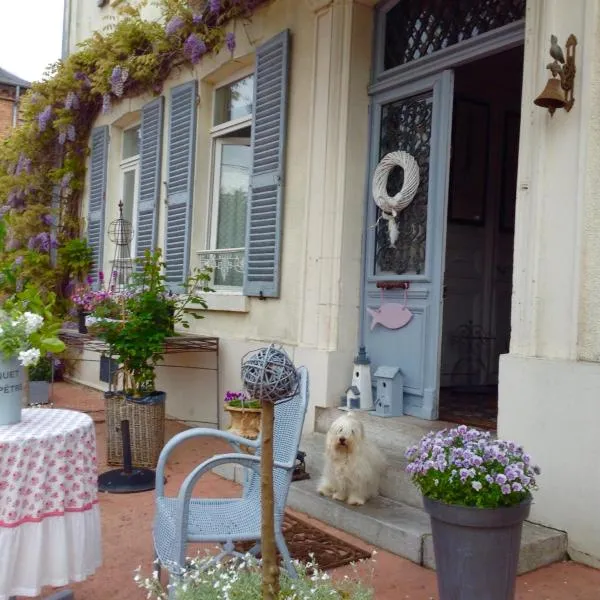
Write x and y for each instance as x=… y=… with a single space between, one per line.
x=395 y=482
x=406 y=531
x=393 y=434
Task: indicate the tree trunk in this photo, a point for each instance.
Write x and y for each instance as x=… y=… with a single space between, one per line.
x=270 y=570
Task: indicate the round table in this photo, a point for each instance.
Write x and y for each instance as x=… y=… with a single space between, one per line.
x=49 y=515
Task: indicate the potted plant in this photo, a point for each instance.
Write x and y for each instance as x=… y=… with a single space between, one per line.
x=88 y=301
x=245 y=414
x=151 y=312
x=477 y=491
x=242 y=579
x=24 y=336
x=40 y=378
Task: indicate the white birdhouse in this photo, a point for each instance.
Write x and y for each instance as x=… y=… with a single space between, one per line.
x=361 y=379
x=389 y=392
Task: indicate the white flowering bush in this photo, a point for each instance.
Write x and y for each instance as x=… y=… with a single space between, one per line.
x=23 y=336
x=466 y=466
x=240 y=579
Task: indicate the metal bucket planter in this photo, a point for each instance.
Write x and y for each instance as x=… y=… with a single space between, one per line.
x=12 y=377
x=476 y=549
x=39 y=392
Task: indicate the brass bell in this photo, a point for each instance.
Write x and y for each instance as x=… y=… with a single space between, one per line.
x=552 y=97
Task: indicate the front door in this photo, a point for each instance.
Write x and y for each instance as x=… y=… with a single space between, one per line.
x=415 y=118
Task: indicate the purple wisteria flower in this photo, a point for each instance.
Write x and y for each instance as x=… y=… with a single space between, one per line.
x=66 y=180
x=71 y=133
x=117 y=80
x=43 y=242
x=214 y=6
x=47 y=220
x=106 y=104
x=194 y=48
x=230 y=41
x=44 y=117
x=196 y=19
x=19 y=260
x=62 y=137
x=174 y=25
x=72 y=101
x=23 y=165
x=467 y=466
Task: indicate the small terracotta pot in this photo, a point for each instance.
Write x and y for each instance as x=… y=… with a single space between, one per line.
x=245 y=422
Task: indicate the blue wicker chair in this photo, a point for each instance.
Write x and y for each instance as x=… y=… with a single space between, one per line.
x=184 y=519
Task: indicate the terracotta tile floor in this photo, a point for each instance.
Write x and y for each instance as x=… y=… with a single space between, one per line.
x=126 y=530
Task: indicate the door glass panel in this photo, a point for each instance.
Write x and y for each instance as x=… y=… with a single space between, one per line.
x=416 y=28
x=405 y=125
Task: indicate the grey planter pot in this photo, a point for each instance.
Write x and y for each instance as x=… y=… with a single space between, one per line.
x=476 y=549
x=12 y=377
x=39 y=392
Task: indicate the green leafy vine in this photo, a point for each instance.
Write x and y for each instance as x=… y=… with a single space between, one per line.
x=43 y=162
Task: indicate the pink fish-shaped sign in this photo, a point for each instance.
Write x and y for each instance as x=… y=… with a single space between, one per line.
x=390 y=315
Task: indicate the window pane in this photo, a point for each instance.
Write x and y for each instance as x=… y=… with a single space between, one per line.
x=405 y=125
x=128 y=194
x=233 y=196
x=416 y=28
x=234 y=101
x=131 y=142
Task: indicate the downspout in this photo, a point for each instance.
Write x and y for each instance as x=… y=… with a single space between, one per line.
x=66 y=36
x=16 y=106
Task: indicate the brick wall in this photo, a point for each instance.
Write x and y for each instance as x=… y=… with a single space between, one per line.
x=7 y=95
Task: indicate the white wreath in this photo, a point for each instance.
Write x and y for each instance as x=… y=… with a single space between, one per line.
x=391 y=207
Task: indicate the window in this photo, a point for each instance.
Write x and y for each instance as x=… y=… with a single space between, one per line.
x=232 y=163
x=130 y=168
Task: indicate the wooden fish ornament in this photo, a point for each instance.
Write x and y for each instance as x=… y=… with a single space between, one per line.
x=390 y=315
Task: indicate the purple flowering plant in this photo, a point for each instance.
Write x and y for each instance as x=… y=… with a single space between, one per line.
x=466 y=466
x=240 y=400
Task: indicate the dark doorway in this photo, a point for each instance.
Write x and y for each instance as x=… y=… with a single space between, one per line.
x=480 y=236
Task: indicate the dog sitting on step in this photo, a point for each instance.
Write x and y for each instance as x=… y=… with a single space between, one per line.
x=353 y=464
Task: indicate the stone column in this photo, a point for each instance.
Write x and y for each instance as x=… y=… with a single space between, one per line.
x=548 y=397
x=336 y=167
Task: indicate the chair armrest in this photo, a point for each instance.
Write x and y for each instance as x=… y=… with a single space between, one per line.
x=187 y=487
x=232 y=439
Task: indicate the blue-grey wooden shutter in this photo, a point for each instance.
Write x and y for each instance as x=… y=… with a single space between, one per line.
x=97 y=196
x=265 y=206
x=150 y=164
x=180 y=178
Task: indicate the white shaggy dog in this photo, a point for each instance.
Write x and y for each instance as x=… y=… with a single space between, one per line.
x=353 y=465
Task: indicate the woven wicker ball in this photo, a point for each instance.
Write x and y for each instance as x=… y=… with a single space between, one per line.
x=269 y=374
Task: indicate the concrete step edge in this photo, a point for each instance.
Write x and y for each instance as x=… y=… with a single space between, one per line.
x=405 y=530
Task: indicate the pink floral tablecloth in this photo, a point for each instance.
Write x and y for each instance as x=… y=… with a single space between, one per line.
x=49 y=518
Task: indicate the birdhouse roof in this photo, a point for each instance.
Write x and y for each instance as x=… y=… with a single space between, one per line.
x=386 y=372
x=354 y=390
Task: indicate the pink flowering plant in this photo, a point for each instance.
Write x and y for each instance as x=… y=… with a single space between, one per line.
x=240 y=400
x=466 y=466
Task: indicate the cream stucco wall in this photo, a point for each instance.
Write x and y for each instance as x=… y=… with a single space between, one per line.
x=316 y=317
x=548 y=398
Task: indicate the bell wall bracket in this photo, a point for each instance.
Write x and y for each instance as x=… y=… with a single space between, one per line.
x=563 y=67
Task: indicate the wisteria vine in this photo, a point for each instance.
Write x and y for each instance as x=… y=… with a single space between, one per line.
x=43 y=162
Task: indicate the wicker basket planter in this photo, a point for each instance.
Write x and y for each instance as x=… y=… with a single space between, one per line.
x=146 y=418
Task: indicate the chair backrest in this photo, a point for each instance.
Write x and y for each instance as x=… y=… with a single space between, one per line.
x=289 y=422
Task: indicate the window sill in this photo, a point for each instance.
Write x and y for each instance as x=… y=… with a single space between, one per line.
x=226 y=301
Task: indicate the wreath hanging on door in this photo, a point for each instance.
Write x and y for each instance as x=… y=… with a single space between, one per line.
x=392 y=206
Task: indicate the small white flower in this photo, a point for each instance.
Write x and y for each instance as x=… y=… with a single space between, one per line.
x=476 y=485
x=33 y=322
x=29 y=358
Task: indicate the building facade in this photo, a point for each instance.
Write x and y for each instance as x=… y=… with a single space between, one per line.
x=494 y=256
x=11 y=89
